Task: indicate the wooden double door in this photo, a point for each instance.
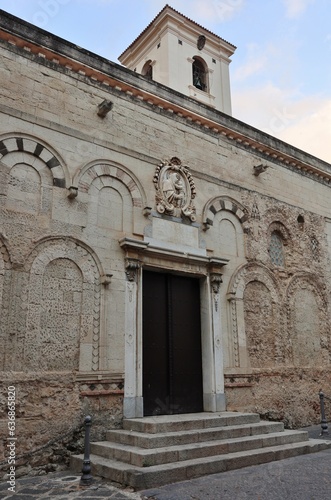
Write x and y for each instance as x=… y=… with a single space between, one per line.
x=172 y=359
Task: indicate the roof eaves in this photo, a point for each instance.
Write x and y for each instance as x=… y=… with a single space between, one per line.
x=177 y=12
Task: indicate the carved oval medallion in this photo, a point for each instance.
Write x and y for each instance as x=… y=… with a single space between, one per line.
x=175 y=189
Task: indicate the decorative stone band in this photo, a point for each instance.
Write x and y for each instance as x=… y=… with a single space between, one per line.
x=139 y=253
x=232 y=131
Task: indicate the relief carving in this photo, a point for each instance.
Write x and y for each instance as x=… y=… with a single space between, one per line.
x=215 y=281
x=131 y=269
x=175 y=189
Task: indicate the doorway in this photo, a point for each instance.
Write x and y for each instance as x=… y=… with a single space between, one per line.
x=172 y=358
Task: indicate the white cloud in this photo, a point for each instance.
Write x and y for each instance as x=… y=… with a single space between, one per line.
x=295 y=8
x=312 y=131
x=226 y=9
x=254 y=63
x=214 y=11
x=304 y=122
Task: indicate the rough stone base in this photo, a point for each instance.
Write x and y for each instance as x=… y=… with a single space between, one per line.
x=49 y=416
x=290 y=395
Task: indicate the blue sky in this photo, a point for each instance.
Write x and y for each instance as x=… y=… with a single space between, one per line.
x=280 y=72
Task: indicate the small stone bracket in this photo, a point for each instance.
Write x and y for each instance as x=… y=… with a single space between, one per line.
x=131 y=269
x=104 y=108
x=147 y=211
x=73 y=192
x=106 y=279
x=259 y=169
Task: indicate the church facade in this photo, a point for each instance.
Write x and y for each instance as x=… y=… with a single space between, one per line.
x=156 y=254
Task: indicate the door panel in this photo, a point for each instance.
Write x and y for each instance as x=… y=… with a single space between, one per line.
x=155 y=342
x=172 y=366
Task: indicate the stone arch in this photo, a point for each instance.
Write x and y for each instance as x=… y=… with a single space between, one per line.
x=242 y=347
x=84 y=178
x=278 y=238
x=112 y=204
x=277 y=219
x=67 y=301
x=279 y=227
x=18 y=148
x=308 y=328
x=219 y=203
x=147 y=70
x=230 y=234
x=200 y=74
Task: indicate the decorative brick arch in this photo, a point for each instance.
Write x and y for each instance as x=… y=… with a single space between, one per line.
x=64 y=250
x=219 y=203
x=29 y=145
x=87 y=174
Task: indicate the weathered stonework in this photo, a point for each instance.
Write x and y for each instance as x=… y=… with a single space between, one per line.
x=86 y=206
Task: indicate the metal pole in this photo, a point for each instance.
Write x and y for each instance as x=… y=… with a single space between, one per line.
x=87 y=478
x=324 y=425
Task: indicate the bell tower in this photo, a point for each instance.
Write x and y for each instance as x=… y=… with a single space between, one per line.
x=181 y=54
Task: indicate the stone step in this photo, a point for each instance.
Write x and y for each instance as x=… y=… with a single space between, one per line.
x=158 y=475
x=145 y=440
x=142 y=457
x=189 y=421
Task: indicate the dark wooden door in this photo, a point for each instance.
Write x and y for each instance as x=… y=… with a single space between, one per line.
x=172 y=364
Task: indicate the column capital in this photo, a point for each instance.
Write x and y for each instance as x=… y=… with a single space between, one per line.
x=216 y=279
x=131 y=268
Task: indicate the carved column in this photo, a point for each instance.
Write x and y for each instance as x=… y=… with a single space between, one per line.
x=215 y=283
x=132 y=401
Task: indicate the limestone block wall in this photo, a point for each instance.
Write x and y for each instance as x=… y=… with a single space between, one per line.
x=62 y=270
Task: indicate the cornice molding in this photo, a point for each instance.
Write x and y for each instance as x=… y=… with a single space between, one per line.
x=208 y=124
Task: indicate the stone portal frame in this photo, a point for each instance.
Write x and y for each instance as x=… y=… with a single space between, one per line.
x=48 y=250
x=30 y=147
x=140 y=255
x=219 y=203
x=235 y=295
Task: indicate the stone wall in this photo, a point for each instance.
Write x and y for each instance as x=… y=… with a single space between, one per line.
x=50 y=411
x=290 y=395
x=73 y=185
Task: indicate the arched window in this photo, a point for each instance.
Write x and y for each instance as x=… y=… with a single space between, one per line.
x=147 y=70
x=199 y=74
x=276 y=250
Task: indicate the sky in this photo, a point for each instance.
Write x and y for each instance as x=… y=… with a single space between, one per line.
x=280 y=73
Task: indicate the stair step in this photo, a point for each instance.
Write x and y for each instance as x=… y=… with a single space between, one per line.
x=190 y=421
x=142 y=457
x=158 y=475
x=145 y=440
